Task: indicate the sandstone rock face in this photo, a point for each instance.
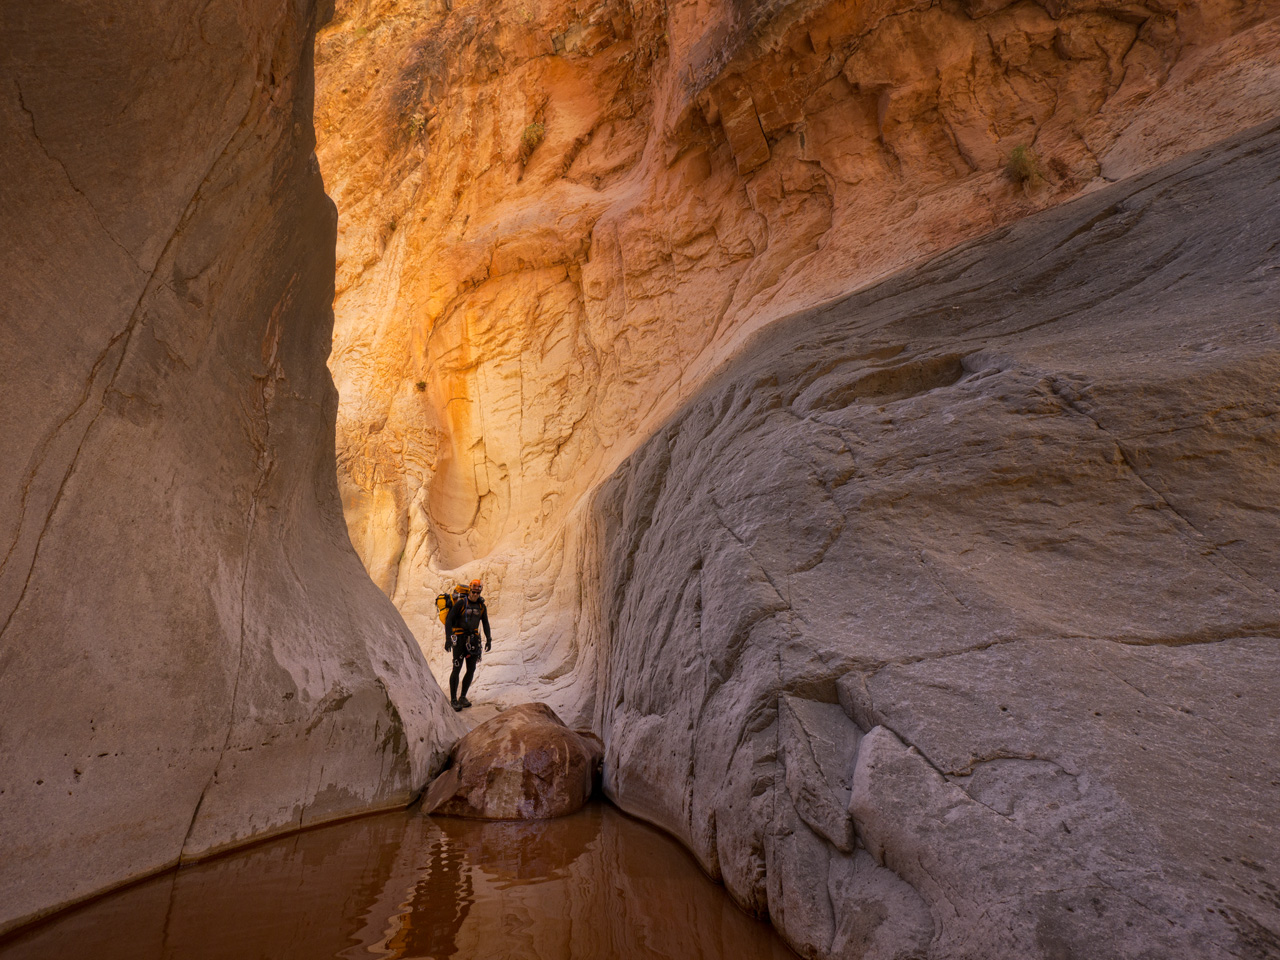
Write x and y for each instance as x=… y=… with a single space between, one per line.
x=524 y=764
x=557 y=218
x=190 y=654
x=945 y=621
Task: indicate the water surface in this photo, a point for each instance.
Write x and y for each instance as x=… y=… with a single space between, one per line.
x=400 y=885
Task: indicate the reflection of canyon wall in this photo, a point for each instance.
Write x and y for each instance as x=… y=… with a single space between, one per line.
x=400 y=885
x=557 y=218
x=190 y=654
x=288 y=899
x=945 y=621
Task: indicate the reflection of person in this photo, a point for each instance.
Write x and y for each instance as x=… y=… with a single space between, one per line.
x=441 y=901
x=465 y=893
x=462 y=635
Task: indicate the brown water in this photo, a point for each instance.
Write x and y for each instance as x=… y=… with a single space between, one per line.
x=593 y=885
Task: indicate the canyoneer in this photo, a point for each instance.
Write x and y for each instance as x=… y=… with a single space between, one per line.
x=462 y=636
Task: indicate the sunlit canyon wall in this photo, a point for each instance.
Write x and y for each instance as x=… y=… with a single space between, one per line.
x=556 y=219
x=190 y=653
x=937 y=617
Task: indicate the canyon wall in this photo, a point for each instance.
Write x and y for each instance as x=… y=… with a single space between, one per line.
x=190 y=653
x=558 y=218
x=945 y=621
x=941 y=622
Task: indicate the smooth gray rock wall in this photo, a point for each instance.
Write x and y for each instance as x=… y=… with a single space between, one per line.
x=190 y=652
x=1017 y=513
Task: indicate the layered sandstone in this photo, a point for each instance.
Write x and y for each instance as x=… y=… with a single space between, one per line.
x=945 y=621
x=190 y=653
x=557 y=219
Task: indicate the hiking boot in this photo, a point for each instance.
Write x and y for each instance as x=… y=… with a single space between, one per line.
x=463 y=702
x=456 y=704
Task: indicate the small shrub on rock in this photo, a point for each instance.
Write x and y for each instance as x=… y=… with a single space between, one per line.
x=1023 y=167
x=530 y=139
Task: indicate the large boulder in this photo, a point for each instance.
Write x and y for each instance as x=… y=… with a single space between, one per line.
x=524 y=764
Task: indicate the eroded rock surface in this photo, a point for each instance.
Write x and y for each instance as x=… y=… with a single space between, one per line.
x=190 y=653
x=524 y=764
x=945 y=621
x=558 y=218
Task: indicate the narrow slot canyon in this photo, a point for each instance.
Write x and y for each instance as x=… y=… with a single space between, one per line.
x=862 y=417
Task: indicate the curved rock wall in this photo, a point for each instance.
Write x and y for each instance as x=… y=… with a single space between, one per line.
x=945 y=621
x=190 y=653
x=557 y=218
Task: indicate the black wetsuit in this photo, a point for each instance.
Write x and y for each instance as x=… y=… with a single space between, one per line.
x=462 y=626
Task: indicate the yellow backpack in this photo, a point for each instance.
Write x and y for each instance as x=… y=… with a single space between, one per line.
x=444 y=601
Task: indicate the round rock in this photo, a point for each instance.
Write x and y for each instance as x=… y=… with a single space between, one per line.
x=524 y=764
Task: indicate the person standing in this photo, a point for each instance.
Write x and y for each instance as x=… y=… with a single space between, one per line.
x=462 y=636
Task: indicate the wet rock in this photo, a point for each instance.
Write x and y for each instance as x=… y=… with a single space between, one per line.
x=524 y=764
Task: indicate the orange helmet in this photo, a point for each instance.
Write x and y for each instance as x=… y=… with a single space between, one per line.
x=477 y=586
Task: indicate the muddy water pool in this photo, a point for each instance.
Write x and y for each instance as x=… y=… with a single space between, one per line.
x=400 y=885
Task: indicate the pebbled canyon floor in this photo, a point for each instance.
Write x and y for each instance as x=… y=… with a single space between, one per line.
x=944 y=621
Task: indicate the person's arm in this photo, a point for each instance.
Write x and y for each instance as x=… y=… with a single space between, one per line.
x=450 y=621
x=488 y=635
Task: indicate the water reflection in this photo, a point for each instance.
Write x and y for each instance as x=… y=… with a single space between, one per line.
x=405 y=886
x=441 y=903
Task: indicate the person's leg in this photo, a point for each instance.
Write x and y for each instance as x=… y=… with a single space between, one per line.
x=471 y=672
x=453 y=680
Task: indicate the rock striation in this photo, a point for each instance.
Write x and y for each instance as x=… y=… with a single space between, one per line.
x=945 y=620
x=558 y=218
x=524 y=764
x=190 y=654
